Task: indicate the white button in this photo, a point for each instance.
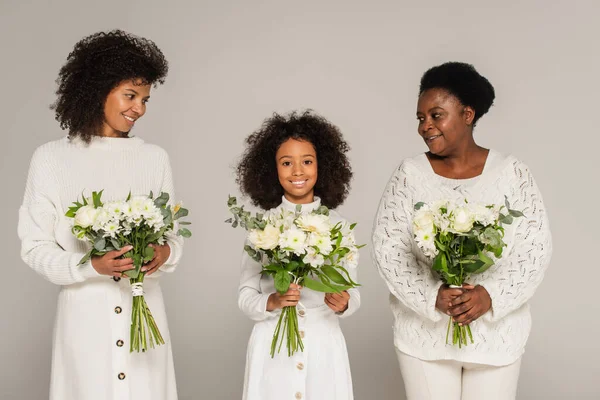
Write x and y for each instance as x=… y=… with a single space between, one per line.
x=300 y=366
x=302 y=334
x=298 y=395
x=301 y=313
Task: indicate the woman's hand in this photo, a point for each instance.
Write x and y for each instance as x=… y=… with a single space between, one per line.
x=161 y=255
x=110 y=264
x=289 y=298
x=470 y=305
x=445 y=296
x=338 y=302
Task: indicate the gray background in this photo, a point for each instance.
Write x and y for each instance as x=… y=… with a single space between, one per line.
x=359 y=64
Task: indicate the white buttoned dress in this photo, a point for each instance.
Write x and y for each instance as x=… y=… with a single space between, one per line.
x=91 y=358
x=322 y=370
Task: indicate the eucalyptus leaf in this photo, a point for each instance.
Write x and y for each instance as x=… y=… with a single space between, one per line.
x=100 y=244
x=186 y=233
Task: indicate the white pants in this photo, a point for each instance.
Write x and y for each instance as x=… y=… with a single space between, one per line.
x=455 y=380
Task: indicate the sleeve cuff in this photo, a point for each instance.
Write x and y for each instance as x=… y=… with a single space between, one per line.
x=87 y=271
x=433 y=313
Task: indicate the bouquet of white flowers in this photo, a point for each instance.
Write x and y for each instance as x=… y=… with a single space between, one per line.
x=461 y=239
x=139 y=222
x=293 y=247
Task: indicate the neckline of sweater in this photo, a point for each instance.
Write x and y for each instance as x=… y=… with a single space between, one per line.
x=106 y=143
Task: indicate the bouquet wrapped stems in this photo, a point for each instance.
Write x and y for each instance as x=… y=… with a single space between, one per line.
x=144 y=331
x=459 y=332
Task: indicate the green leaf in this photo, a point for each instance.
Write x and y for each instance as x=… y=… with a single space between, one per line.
x=353 y=226
x=86 y=257
x=334 y=275
x=161 y=200
x=440 y=263
x=282 y=281
x=148 y=254
x=115 y=243
x=419 y=205
x=186 y=233
x=182 y=212
x=292 y=265
x=317 y=286
x=128 y=196
x=516 y=213
x=506 y=219
x=184 y=223
x=96 y=198
x=100 y=244
x=232 y=201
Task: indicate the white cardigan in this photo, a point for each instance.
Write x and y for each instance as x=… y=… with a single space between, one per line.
x=420 y=329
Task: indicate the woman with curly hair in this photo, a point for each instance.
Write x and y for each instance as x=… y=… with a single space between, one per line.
x=452 y=98
x=296 y=160
x=102 y=91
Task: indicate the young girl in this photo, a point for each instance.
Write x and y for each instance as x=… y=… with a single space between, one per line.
x=290 y=161
x=102 y=91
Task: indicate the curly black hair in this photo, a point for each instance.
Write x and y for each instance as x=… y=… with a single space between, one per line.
x=98 y=64
x=257 y=171
x=462 y=81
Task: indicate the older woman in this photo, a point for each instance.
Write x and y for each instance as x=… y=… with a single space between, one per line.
x=452 y=98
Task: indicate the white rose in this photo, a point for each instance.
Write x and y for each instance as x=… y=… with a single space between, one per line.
x=424 y=220
x=462 y=220
x=294 y=239
x=266 y=239
x=314 y=223
x=86 y=216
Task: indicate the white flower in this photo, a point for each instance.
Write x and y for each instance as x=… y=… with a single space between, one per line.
x=115 y=208
x=484 y=215
x=266 y=239
x=462 y=219
x=424 y=219
x=351 y=258
x=322 y=242
x=313 y=258
x=426 y=242
x=293 y=239
x=86 y=216
x=314 y=223
x=112 y=228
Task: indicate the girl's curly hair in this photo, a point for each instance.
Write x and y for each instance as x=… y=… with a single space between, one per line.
x=98 y=64
x=257 y=171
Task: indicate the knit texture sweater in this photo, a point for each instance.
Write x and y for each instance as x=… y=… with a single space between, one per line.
x=60 y=172
x=420 y=329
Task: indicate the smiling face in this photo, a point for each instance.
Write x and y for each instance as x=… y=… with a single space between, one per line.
x=124 y=105
x=445 y=124
x=297 y=170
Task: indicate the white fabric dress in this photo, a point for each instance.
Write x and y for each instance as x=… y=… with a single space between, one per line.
x=91 y=358
x=322 y=370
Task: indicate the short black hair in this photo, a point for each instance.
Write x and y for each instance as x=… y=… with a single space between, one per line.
x=463 y=82
x=257 y=171
x=98 y=64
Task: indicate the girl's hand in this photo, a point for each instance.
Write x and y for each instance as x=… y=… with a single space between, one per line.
x=161 y=255
x=289 y=298
x=110 y=264
x=471 y=305
x=338 y=302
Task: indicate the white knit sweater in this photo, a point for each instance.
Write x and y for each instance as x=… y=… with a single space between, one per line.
x=419 y=328
x=59 y=173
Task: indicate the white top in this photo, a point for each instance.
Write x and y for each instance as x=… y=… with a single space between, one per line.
x=420 y=329
x=255 y=289
x=90 y=357
x=59 y=173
